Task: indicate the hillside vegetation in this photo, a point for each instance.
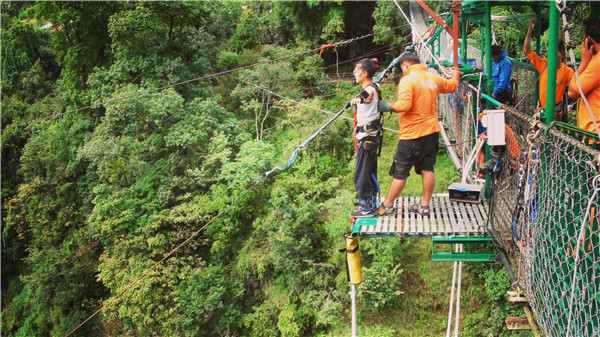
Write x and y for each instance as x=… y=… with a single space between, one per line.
x=109 y=163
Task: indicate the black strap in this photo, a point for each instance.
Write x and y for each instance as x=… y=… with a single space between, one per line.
x=374 y=125
x=376 y=89
x=352 y=251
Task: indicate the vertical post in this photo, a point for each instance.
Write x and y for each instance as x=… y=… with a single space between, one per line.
x=353 y=296
x=463 y=45
x=455 y=14
x=449 y=324
x=487 y=20
x=458 y=286
x=552 y=63
x=538 y=43
x=488 y=49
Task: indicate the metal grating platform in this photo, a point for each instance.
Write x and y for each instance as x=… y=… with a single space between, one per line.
x=447 y=218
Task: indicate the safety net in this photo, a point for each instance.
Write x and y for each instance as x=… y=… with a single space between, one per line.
x=545 y=208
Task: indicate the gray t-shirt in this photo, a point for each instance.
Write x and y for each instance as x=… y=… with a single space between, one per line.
x=367 y=112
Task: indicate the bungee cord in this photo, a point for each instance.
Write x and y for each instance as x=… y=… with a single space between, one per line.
x=289 y=160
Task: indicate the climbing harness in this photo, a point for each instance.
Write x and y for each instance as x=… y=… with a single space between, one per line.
x=374 y=129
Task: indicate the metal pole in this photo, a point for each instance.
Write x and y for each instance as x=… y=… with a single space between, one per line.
x=449 y=326
x=450 y=148
x=552 y=63
x=458 y=286
x=538 y=44
x=455 y=14
x=488 y=49
x=487 y=19
x=463 y=45
x=353 y=296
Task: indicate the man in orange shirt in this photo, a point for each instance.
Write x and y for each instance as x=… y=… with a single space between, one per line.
x=563 y=75
x=419 y=129
x=589 y=76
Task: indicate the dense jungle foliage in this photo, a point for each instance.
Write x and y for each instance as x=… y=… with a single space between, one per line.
x=107 y=166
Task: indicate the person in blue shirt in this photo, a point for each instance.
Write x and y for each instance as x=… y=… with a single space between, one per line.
x=501 y=72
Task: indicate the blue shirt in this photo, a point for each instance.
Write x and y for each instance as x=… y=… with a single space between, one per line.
x=501 y=71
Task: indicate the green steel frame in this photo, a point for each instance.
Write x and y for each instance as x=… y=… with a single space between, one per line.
x=469 y=255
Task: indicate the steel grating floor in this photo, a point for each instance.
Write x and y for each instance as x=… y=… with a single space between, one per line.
x=448 y=218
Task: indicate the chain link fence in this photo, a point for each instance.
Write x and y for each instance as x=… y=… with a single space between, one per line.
x=546 y=215
x=545 y=205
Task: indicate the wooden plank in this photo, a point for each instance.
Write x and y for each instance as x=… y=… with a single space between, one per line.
x=413 y=225
x=517 y=298
x=479 y=219
x=384 y=224
x=407 y=215
x=517 y=323
x=406 y=219
x=380 y=221
x=371 y=229
x=447 y=222
x=440 y=216
x=479 y=222
x=465 y=217
x=455 y=212
x=427 y=219
x=396 y=228
x=419 y=218
x=483 y=210
x=439 y=221
x=432 y=216
x=473 y=226
x=452 y=216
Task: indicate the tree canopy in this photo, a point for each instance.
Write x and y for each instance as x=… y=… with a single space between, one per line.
x=109 y=162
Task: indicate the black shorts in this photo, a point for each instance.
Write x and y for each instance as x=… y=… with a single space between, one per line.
x=420 y=153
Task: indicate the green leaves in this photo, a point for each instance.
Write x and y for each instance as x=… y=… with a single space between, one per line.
x=94 y=198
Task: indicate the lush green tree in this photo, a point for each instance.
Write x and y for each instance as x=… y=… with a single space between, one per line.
x=81 y=40
x=310 y=21
x=387 y=17
x=247 y=32
x=94 y=197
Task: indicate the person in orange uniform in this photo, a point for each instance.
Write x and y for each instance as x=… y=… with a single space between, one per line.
x=589 y=76
x=563 y=75
x=419 y=129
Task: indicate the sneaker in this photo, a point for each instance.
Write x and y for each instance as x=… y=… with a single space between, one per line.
x=364 y=212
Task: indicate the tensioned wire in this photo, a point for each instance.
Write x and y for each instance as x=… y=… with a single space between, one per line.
x=301 y=103
x=112 y=100
x=290 y=159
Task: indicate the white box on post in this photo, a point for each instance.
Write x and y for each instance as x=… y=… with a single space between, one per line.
x=493 y=120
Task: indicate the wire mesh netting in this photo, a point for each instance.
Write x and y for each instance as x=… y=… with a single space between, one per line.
x=546 y=216
x=545 y=206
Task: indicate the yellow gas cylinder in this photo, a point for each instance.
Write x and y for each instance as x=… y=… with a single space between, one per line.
x=353 y=259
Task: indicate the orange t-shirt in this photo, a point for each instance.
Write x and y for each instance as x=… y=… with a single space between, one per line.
x=590 y=85
x=417 y=101
x=563 y=76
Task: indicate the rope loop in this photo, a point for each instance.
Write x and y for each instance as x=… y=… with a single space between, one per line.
x=596 y=183
x=533 y=137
